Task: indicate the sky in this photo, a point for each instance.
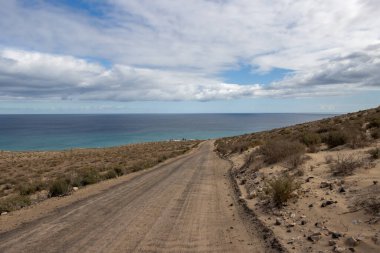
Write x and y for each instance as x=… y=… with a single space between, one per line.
x=189 y=56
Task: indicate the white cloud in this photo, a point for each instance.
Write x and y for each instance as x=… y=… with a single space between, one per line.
x=174 y=50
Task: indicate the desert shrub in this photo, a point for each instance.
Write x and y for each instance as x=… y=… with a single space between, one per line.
x=345 y=165
x=59 y=187
x=14 y=203
x=249 y=159
x=89 y=176
x=30 y=188
x=110 y=174
x=240 y=147
x=336 y=138
x=374 y=153
x=119 y=171
x=277 y=151
x=294 y=161
x=374 y=123
x=280 y=189
x=375 y=133
x=357 y=140
x=311 y=139
x=370 y=203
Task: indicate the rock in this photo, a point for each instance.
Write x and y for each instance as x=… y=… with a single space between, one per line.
x=259 y=189
x=324 y=184
x=308 y=179
x=75 y=188
x=318 y=225
x=291 y=225
x=352 y=241
x=375 y=182
x=352 y=249
x=292 y=215
x=4 y=213
x=303 y=222
x=278 y=222
x=332 y=243
x=336 y=235
x=327 y=203
x=315 y=237
x=341 y=189
x=311 y=205
x=231 y=204
x=339 y=249
x=243 y=181
x=376 y=239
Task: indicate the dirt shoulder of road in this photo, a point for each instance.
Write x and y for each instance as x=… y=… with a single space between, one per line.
x=40 y=209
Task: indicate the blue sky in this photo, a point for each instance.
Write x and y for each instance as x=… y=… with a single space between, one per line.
x=139 y=56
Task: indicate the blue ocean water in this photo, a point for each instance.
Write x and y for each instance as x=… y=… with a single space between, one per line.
x=57 y=132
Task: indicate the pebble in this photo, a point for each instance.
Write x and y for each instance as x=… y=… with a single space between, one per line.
x=315 y=237
x=278 y=222
x=336 y=235
x=327 y=203
x=75 y=188
x=324 y=184
x=303 y=222
x=4 y=213
x=292 y=215
x=339 y=249
x=341 y=189
x=332 y=243
x=352 y=241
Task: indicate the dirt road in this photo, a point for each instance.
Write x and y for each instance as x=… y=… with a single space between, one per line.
x=182 y=206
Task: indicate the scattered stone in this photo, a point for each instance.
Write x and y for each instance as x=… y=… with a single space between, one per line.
x=331 y=187
x=4 y=213
x=332 y=243
x=339 y=249
x=341 y=189
x=315 y=237
x=75 y=188
x=327 y=203
x=291 y=225
x=243 y=181
x=375 y=182
x=324 y=184
x=311 y=205
x=231 y=227
x=231 y=204
x=318 y=225
x=288 y=230
x=292 y=215
x=278 y=222
x=303 y=222
x=352 y=241
x=308 y=179
x=352 y=249
x=336 y=235
x=259 y=189
x=252 y=195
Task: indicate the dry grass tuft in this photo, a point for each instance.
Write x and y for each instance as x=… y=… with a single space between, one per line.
x=345 y=165
x=280 y=190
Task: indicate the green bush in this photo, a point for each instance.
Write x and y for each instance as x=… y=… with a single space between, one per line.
x=30 y=188
x=59 y=187
x=280 y=189
x=14 y=203
x=89 y=176
x=110 y=174
x=311 y=139
x=336 y=138
x=375 y=153
x=279 y=150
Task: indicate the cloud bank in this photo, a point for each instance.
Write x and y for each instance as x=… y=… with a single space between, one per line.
x=177 y=50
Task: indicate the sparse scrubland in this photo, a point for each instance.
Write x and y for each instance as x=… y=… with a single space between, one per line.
x=315 y=185
x=29 y=177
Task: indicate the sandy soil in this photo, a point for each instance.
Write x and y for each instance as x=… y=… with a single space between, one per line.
x=184 y=205
x=304 y=215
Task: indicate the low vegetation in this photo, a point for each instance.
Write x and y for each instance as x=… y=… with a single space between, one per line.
x=281 y=189
x=281 y=150
x=345 y=165
x=24 y=174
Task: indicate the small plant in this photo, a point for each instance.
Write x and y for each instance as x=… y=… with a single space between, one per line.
x=311 y=139
x=294 y=161
x=375 y=153
x=59 y=187
x=345 y=165
x=14 y=203
x=280 y=190
x=336 y=138
x=110 y=174
x=89 y=176
x=30 y=188
x=277 y=151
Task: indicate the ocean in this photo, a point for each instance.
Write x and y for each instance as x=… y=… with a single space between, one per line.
x=58 y=132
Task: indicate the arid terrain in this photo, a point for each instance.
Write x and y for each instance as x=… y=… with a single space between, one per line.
x=184 y=205
x=314 y=185
x=30 y=177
